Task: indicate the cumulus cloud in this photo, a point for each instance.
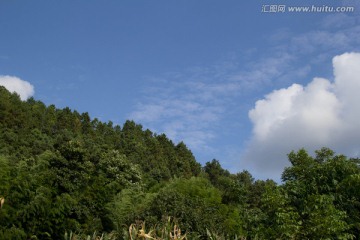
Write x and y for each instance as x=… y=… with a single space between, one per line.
x=207 y=107
x=322 y=113
x=15 y=84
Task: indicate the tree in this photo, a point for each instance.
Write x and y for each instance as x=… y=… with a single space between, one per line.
x=196 y=205
x=214 y=171
x=312 y=185
x=271 y=215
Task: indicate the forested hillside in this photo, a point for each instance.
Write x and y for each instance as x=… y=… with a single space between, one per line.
x=62 y=171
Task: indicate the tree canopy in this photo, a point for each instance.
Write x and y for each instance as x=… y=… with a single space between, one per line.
x=62 y=171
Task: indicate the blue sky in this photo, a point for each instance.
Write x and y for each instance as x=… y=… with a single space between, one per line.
x=234 y=83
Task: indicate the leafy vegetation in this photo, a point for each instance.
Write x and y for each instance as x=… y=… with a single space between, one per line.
x=64 y=175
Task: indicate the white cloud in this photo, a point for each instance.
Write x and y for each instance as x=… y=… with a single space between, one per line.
x=322 y=113
x=15 y=84
x=205 y=107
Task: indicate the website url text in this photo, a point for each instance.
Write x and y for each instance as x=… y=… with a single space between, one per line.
x=306 y=9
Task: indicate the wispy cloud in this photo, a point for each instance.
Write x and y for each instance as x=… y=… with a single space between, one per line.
x=191 y=105
x=263 y=71
x=186 y=106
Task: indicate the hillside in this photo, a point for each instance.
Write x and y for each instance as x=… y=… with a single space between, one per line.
x=61 y=171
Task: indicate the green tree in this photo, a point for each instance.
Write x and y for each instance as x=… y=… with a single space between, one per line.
x=312 y=184
x=215 y=171
x=197 y=206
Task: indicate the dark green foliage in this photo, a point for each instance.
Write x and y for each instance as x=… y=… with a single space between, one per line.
x=59 y=169
x=62 y=172
x=191 y=201
x=318 y=190
x=157 y=156
x=215 y=172
x=194 y=203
